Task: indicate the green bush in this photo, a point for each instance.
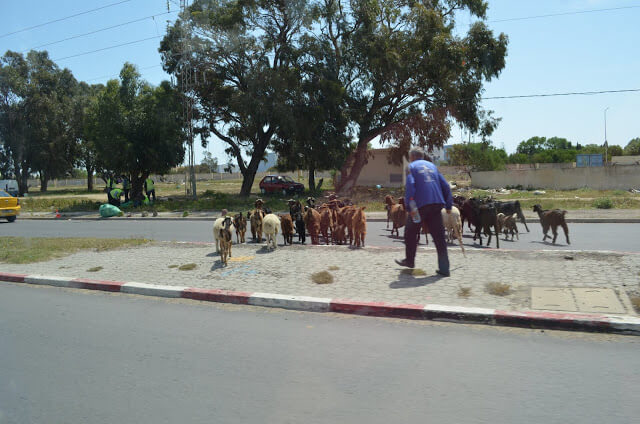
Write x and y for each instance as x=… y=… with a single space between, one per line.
x=603 y=203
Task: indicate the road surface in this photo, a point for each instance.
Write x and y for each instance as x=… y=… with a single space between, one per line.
x=621 y=237
x=93 y=357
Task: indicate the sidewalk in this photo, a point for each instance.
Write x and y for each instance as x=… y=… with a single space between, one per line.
x=550 y=284
x=575 y=216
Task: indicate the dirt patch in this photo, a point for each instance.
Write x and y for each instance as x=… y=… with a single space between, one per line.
x=322 y=277
x=464 y=292
x=498 y=289
x=187 y=267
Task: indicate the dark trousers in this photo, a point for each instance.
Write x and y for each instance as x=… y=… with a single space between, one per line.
x=113 y=201
x=432 y=216
x=151 y=193
x=126 y=195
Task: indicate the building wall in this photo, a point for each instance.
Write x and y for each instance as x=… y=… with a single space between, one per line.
x=379 y=171
x=598 y=178
x=625 y=160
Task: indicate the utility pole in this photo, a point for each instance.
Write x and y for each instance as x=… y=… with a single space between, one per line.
x=606 y=144
x=186 y=86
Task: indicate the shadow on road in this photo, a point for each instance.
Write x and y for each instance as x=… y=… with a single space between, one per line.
x=407 y=281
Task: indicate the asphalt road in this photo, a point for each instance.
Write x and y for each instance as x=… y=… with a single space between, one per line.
x=621 y=237
x=93 y=357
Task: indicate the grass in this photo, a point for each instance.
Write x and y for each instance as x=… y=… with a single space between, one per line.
x=187 y=267
x=603 y=203
x=22 y=250
x=333 y=268
x=416 y=272
x=635 y=301
x=95 y=269
x=464 y=292
x=185 y=214
x=498 y=289
x=322 y=277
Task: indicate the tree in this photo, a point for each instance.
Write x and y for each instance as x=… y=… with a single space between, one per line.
x=478 y=157
x=531 y=146
x=402 y=61
x=242 y=55
x=84 y=128
x=315 y=136
x=633 y=147
x=34 y=116
x=138 y=127
x=210 y=162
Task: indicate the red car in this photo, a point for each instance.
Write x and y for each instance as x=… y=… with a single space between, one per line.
x=280 y=184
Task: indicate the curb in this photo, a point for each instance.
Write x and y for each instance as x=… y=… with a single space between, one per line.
x=621 y=324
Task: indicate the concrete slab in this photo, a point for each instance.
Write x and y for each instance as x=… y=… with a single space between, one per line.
x=553 y=299
x=598 y=300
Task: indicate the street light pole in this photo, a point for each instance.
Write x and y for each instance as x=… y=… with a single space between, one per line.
x=606 y=144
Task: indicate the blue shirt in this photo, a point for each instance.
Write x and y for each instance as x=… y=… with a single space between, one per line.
x=426 y=185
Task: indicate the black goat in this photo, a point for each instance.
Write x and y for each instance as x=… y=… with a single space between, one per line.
x=511 y=207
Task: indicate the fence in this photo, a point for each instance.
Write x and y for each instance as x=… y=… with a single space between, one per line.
x=597 y=178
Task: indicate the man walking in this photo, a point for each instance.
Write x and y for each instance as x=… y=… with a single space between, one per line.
x=430 y=192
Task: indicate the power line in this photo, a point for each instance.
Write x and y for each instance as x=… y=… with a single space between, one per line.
x=63 y=19
x=115 y=75
x=575 y=93
x=577 y=12
x=100 y=30
x=108 y=48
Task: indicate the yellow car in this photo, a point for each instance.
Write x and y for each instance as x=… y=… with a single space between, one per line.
x=9 y=206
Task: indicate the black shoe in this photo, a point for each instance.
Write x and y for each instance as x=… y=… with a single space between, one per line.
x=444 y=274
x=404 y=263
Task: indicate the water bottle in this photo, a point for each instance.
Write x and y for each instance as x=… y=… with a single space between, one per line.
x=413 y=211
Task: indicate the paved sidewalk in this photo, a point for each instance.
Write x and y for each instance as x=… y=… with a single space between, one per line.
x=367 y=275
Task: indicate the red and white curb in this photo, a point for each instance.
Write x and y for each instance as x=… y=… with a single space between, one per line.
x=624 y=324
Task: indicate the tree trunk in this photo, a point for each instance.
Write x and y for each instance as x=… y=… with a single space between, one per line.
x=44 y=180
x=249 y=173
x=137 y=185
x=248 y=177
x=89 y=179
x=23 y=181
x=312 y=178
x=347 y=182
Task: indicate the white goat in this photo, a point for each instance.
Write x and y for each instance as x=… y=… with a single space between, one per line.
x=453 y=226
x=217 y=226
x=270 y=227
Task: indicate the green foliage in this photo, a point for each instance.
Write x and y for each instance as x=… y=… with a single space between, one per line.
x=35 y=117
x=209 y=162
x=478 y=156
x=633 y=147
x=603 y=203
x=138 y=128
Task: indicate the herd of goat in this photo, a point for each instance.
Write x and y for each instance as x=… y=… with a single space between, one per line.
x=340 y=222
x=489 y=217
x=336 y=222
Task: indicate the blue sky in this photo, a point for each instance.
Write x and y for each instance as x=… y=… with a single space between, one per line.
x=569 y=53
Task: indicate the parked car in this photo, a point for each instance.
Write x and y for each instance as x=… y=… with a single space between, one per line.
x=10 y=186
x=9 y=206
x=280 y=184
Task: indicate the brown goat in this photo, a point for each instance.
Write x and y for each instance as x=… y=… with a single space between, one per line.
x=327 y=224
x=225 y=240
x=286 y=223
x=256 y=225
x=359 y=224
x=398 y=217
x=552 y=218
x=312 y=223
x=389 y=201
x=240 y=223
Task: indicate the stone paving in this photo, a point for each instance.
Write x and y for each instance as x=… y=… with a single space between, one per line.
x=367 y=274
